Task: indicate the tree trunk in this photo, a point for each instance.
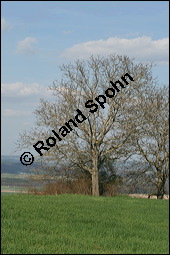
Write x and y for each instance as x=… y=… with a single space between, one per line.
x=95 y=176
x=160 y=186
x=161 y=196
x=95 y=183
x=160 y=191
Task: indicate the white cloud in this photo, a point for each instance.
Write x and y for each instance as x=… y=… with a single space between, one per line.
x=141 y=48
x=4 y=25
x=20 y=89
x=25 y=46
x=15 y=113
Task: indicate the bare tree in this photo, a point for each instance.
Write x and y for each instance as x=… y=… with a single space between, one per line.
x=150 y=141
x=87 y=138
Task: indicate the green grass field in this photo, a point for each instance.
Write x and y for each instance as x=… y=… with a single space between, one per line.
x=79 y=224
x=19 y=182
x=14 y=188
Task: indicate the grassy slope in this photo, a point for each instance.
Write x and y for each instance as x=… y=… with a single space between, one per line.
x=77 y=224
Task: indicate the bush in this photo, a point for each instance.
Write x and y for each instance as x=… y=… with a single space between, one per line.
x=78 y=186
x=75 y=186
x=108 y=189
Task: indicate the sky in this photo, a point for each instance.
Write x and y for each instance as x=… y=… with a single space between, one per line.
x=39 y=36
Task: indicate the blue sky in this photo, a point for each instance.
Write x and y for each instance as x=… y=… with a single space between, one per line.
x=38 y=37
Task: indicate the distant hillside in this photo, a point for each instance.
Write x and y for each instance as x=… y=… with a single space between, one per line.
x=12 y=165
x=10 y=158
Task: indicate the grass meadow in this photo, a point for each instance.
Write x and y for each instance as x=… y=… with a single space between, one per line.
x=80 y=224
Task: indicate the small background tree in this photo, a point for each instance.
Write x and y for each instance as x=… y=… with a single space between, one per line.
x=150 y=141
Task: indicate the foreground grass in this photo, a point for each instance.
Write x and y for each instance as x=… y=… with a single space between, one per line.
x=77 y=224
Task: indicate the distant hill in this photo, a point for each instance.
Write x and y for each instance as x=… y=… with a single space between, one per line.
x=11 y=164
x=10 y=158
